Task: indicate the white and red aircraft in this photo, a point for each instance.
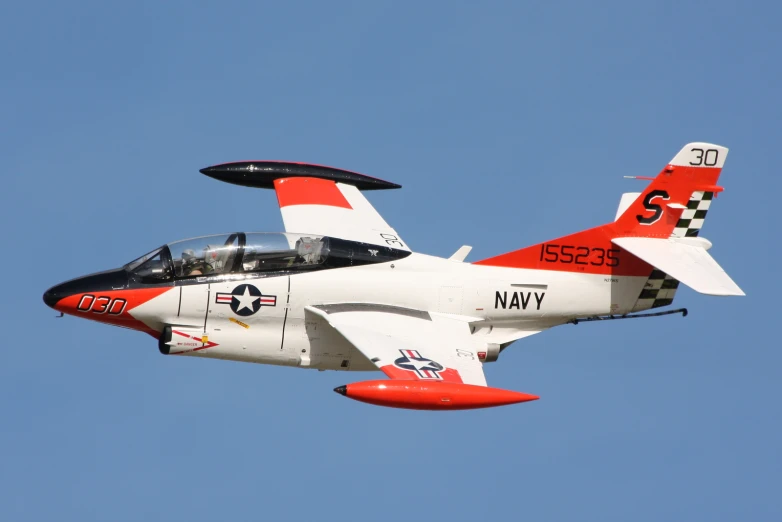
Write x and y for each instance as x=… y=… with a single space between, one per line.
x=340 y=289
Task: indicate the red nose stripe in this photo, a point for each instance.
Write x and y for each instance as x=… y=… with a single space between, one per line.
x=111 y=307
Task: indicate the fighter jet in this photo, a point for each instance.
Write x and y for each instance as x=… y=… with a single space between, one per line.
x=341 y=290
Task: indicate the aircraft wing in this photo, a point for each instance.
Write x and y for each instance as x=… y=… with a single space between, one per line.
x=316 y=199
x=408 y=344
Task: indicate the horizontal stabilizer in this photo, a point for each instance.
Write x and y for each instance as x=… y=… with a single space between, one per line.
x=688 y=263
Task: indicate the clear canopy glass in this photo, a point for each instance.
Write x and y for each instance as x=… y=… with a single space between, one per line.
x=280 y=251
x=154 y=266
x=254 y=252
x=204 y=255
x=244 y=253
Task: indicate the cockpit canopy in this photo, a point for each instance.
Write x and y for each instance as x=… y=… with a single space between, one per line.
x=241 y=252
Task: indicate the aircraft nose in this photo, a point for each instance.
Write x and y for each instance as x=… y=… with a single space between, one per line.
x=51 y=296
x=105 y=281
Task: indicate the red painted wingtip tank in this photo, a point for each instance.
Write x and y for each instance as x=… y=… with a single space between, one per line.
x=430 y=395
x=340 y=289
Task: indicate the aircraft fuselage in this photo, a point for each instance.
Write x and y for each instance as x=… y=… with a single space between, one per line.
x=261 y=317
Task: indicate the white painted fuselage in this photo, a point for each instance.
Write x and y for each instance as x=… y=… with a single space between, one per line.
x=500 y=304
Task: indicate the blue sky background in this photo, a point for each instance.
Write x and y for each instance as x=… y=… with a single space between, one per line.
x=507 y=124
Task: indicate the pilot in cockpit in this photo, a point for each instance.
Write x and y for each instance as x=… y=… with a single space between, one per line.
x=309 y=250
x=193 y=265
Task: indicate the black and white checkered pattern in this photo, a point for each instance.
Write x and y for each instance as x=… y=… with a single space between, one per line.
x=658 y=291
x=692 y=218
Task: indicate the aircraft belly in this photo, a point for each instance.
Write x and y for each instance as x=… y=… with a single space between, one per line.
x=221 y=340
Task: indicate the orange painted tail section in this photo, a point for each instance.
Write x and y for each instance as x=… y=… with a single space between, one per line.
x=673 y=205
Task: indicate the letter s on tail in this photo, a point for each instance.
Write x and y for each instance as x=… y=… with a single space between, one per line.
x=675 y=203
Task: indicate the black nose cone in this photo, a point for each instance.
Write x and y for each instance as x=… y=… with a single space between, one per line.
x=105 y=281
x=51 y=296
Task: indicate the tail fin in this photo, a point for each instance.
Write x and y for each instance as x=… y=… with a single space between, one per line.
x=671 y=209
x=675 y=203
